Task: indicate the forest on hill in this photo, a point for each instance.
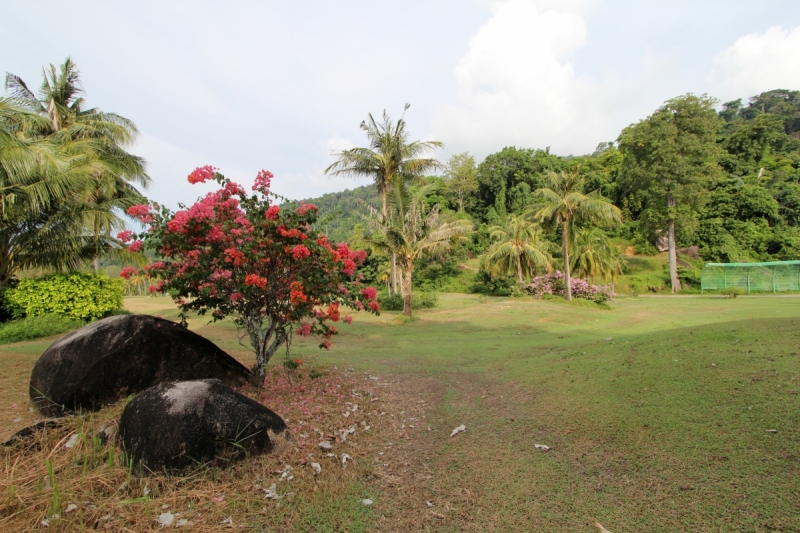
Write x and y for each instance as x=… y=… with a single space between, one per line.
x=742 y=205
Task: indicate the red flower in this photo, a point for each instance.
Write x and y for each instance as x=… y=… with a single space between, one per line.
x=304 y=208
x=125 y=236
x=156 y=288
x=141 y=212
x=202 y=174
x=127 y=272
x=333 y=311
x=369 y=293
x=349 y=267
x=374 y=306
x=272 y=212
x=135 y=246
x=348 y=319
x=326 y=344
x=254 y=280
x=300 y=252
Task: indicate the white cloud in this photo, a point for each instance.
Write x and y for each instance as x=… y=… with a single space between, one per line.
x=517 y=84
x=758 y=62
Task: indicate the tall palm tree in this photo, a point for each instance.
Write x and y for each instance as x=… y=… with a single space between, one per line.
x=410 y=231
x=520 y=248
x=593 y=256
x=99 y=138
x=37 y=180
x=563 y=202
x=389 y=158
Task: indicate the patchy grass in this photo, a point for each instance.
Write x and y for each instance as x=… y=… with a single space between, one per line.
x=657 y=412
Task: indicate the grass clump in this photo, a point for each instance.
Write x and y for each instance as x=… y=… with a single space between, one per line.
x=35 y=327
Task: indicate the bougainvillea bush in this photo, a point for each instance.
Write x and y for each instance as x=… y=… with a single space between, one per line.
x=554 y=284
x=237 y=254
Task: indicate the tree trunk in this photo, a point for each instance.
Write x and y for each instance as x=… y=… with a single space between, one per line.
x=407 y=289
x=265 y=343
x=393 y=270
x=394 y=273
x=519 y=271
x=565 y=251
x=96 y=264
x=675 y=283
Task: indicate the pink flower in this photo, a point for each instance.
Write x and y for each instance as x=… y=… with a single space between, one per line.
x=125 y=236
x=141 y=212
x=374 y=306
x=305 y=329
x=300 y=252
x=348 y=319
x=236 y=296
x=263 y=180
x=202 y=174
x=326 y=344
x=135 y=246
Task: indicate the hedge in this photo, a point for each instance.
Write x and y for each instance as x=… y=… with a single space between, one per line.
x=76 y=295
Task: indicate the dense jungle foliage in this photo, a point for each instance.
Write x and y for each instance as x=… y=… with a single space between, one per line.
x=745 y=206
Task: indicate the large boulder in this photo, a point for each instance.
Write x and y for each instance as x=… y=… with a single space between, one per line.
x=115 y=357
x=174 y=425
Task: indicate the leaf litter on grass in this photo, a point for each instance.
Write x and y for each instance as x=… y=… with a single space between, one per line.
x=288 y=481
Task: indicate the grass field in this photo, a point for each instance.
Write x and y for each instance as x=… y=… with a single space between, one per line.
x=660 y=413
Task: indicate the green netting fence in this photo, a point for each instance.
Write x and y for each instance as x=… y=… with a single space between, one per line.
x=774 y=276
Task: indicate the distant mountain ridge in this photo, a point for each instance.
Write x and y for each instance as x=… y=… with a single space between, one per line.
x=339 y=212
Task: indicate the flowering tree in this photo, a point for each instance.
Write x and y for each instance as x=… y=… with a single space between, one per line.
x=556 y=283
x=234 y=254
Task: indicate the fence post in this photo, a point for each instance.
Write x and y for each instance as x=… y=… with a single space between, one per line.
x=773 y=280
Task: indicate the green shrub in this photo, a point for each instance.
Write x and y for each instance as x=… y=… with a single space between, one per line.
x=36 y=327
x=419 y=300
x=647 y=282
x=77 y=295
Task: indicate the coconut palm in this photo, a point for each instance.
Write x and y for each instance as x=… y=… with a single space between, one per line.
x=592 y=255
x=96 y=139
x=520 y=248
x=562 y=202
x=410 y=230
x=390 y=157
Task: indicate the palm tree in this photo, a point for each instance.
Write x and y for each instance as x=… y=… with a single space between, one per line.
x=592 y=255
x=98 y=138
x=562 y=202
x=519 y=248
x=390 y=157
x=410 y=231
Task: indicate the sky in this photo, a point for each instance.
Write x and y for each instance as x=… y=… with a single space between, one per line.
x=246 y=85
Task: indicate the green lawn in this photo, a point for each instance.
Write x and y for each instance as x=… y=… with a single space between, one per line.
x=657 y=412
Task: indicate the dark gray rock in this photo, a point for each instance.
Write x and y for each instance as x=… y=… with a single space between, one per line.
x=118 y=356
x=175 y=425
x=30 y=431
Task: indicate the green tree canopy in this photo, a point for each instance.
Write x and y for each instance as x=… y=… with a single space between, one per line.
x=669 y=160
